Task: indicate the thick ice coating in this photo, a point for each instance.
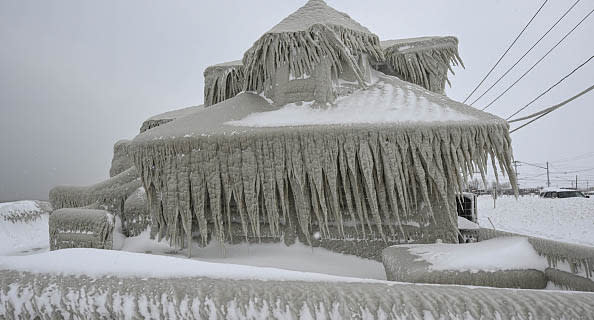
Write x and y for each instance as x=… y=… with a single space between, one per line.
x=198 y=170
x=424 y=61
x=312 y=33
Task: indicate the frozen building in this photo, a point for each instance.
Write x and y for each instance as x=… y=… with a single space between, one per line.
x=321 y=134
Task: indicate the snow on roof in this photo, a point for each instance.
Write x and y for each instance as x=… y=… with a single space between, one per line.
x=387 y=101
x=316 y=12
x=390 y=101
x=178 y=113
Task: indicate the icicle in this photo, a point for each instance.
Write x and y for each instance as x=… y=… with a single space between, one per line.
x=222 y=82
x=423 y=61
x=302 y=50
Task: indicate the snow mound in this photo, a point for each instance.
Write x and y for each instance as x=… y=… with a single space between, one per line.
x=97 y=263
x=510 y=253
x=297 y=257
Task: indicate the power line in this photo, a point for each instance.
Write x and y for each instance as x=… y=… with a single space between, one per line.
x=507 y=50
x=546 y=111
x=550 y=88
x=575 y=158
x=532 y=164
x=539 y=60
x=526 y=53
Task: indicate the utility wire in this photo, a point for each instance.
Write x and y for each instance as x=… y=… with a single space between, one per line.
x=539 y=60
x=526 y=53
x=550 y=88
x=574 y=158
x=507 y=50
x=546 y=111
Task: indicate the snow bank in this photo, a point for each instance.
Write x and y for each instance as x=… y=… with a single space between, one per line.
x=23 y=227
x=96 y=263
x=567 y=220
x=512 y=253
x=297 y=257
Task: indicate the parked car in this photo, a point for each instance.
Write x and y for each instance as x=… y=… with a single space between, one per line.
x=562 y=193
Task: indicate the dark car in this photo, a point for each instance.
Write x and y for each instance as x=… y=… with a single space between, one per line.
x=562 y=193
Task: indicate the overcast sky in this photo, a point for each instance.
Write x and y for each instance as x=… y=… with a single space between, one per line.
x=76 y=76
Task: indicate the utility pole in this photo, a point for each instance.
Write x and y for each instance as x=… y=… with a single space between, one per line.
x=516 y=169
x=548 y=179
x=576 y=187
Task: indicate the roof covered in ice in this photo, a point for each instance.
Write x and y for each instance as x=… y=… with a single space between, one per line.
x=388 y=102
x=223 y=66
x=178 y=113
x=420 y=43
x=316 y=12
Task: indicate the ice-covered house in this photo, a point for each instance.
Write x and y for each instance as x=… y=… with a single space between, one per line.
x=321 y=134
x=305 y=139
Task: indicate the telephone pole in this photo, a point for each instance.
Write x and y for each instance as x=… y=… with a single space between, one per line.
x=548 y=178
x=516 y=169
x=576 y=187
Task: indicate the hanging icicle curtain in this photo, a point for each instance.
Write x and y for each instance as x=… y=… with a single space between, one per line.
x=222 y=82
x=303 y=50
x=423 y=61
x=371 y=175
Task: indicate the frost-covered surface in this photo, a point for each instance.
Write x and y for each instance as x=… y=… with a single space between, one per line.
x=390 y=169
x=120 y=161
x=303 y=39
x=451 y=264
x=168 y=116
x=23 y=227
x=511 y=253
x=81 y=228
x=136 y=217
x=223 y=81
x=316 y=12
x=567 y=220
x=424 y=61
x=23 y=211
x=386 y=101
x=109 y=194
x=53 y=296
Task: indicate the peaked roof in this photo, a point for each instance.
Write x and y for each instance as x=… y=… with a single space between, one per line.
x=316 y=12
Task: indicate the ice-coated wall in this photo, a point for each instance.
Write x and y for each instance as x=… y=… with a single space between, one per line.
x=25 y=295
x=81 y=228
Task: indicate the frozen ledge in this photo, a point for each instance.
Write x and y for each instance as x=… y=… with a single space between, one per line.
x=50 y=296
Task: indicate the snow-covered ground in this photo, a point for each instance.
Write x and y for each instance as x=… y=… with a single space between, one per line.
x=23 y=227
x=567 y=220
x=32 y=237
x=97 y=263
x=298 y=257
x=24 y=231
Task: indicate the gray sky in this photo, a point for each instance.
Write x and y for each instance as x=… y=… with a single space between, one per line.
x=76 y=76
